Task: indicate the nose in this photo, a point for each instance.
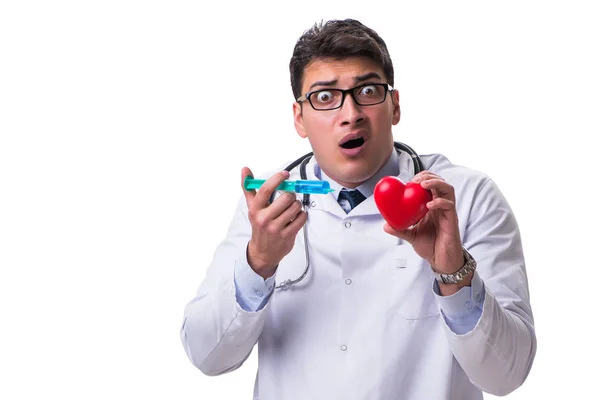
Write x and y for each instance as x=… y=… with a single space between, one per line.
x=351 y=112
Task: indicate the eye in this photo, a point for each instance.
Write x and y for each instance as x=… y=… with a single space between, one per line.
x=368 y=90
x=324 y=96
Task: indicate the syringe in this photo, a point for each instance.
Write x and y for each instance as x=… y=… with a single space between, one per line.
x=299 y=186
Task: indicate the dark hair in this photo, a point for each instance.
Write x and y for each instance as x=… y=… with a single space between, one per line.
x=338 y=39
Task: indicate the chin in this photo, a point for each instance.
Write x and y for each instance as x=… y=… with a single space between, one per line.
x=348 y=171
x=355 y=177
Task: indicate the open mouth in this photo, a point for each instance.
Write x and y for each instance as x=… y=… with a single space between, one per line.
x=353 y=143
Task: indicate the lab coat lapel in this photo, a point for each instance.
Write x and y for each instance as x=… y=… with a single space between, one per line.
x=327 y=203
x=367 y=207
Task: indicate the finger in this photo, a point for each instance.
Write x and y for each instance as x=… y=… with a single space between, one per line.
x=248 y=194
x=289 y=214
x=441 y=204
x=439 y=187
x=266 y=190
x=281 y=203
x=294 y=227
x=424 y=175
x=406 y=234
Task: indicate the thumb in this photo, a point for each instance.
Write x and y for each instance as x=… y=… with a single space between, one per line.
x=249 y=194
x=406 y=234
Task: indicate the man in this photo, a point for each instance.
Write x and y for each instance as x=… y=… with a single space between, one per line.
x=438 y=311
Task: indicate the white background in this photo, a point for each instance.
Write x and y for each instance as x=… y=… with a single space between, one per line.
x=124 y=126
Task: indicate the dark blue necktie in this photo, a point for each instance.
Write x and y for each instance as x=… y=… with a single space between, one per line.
x=349 y=199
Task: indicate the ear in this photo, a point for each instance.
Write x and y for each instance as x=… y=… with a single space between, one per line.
x=299 y=120
x=396 y=107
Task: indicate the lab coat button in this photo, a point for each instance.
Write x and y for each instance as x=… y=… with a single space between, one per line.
x=313 y=204
x=469 y=305
x=348 y=281
x=401 y=263
x=347 y=224
x=259 y=293
x=343 y=347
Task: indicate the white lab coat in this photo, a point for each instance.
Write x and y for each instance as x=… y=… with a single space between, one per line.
x=365 y=323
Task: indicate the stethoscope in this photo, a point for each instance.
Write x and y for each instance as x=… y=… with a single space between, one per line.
x=302 y=161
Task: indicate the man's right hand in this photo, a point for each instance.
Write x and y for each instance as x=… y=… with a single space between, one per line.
x=274 y=226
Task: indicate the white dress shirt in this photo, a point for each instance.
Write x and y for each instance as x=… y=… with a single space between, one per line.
x=367 y=322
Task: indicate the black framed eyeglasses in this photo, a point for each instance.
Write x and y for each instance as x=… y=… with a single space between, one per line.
x=364 y=95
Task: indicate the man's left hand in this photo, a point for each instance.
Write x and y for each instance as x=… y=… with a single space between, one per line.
x=436 y=238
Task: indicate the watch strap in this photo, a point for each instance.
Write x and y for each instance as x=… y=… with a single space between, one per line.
x=461 y=274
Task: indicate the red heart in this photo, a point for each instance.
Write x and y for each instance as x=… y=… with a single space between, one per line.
x=401 y=205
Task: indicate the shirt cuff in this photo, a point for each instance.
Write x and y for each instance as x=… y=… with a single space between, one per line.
x=462 y=309
x=251 y=291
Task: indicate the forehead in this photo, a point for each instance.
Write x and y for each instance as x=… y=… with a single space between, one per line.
x=344 y=71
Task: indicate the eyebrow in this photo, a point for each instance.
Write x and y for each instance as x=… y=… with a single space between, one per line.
x=357 y=79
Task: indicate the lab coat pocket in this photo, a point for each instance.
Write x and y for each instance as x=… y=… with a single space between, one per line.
x=411 y=285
